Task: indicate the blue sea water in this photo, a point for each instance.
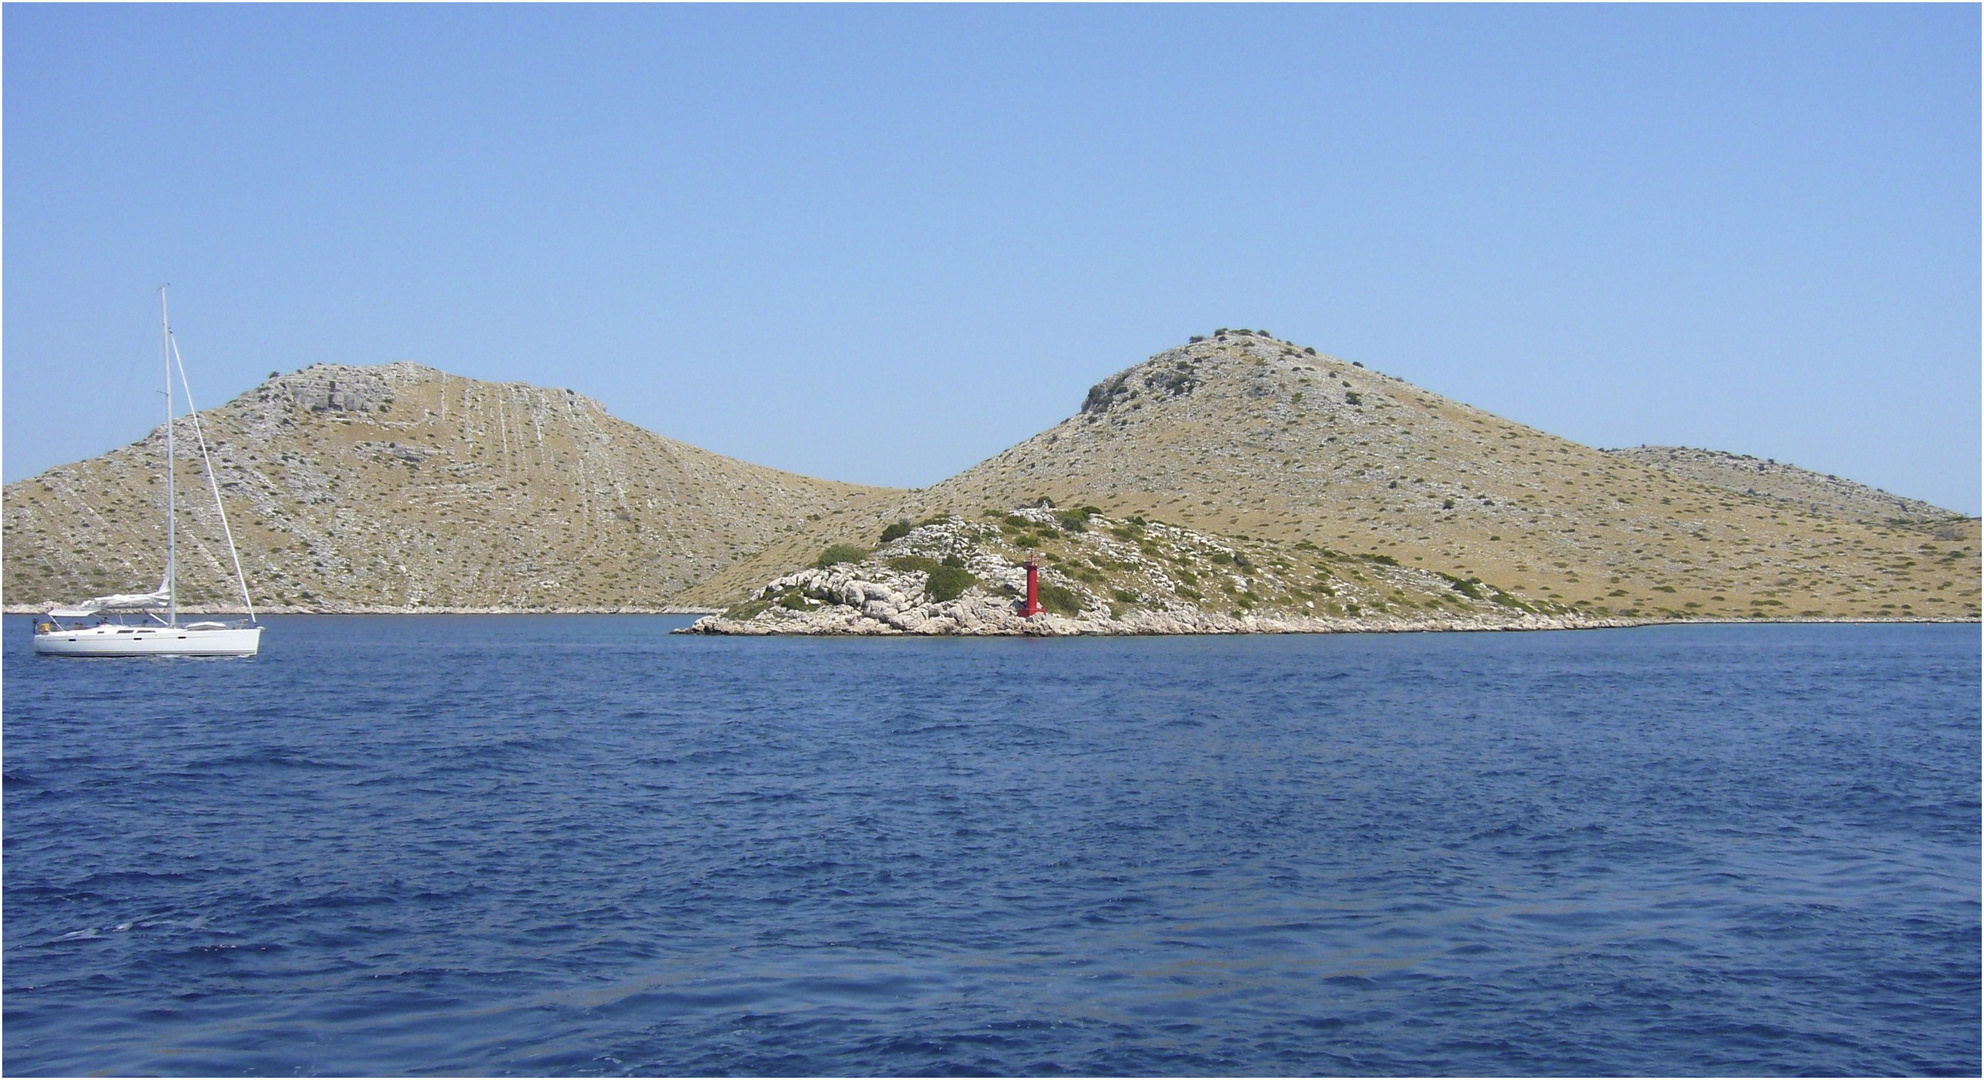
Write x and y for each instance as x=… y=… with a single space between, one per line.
x=579 y=845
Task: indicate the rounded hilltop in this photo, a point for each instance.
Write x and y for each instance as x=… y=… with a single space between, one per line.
x=401 y=487
x=1240 y=433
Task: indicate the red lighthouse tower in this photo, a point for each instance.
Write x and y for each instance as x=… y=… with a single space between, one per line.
x=1032 y=607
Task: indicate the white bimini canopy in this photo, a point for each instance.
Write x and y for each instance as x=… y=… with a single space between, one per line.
x=115 y=602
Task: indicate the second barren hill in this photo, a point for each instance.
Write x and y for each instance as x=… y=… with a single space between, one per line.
x=1245 y=435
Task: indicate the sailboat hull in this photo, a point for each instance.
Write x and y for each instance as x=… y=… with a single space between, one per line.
x=113 y=640
x=122 y=632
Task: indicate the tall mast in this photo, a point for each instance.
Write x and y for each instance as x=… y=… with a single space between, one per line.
x=171 y=510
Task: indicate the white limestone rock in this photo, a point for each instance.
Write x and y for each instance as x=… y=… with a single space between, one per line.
x=886 y=594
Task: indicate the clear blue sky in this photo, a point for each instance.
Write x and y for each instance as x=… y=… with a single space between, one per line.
x=882 y=243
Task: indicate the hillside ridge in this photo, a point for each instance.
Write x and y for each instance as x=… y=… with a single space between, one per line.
x=1241 y=434
x=398 y=486
x=401 y=486
x=1823 y=493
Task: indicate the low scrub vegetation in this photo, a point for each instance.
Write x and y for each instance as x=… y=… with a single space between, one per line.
x=948 y=583
x=1059 y=599
x=947 y=580
x=840 y=553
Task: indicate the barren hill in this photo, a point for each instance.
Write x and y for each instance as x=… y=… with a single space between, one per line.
x=402 y=486
x=1821 y=493
x=1244 y=435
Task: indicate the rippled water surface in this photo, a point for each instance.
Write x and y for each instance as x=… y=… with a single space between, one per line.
x=580 y=845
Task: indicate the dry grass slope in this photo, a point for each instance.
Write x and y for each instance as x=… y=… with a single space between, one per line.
x=353 y=488
x=1247 y=436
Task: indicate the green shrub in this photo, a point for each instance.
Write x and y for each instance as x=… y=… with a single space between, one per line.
x=1103 y=394
x=794 y=601
x=949 y=582
x=1463 y=586
x=840 y=553
x=1060 y=600
x=896 y=531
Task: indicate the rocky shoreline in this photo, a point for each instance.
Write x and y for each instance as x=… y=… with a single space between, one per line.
x=984 y=617
x=885 y=612
x=949 y=577
x=1097 y=576
x=354 y=609
x=1010 y=624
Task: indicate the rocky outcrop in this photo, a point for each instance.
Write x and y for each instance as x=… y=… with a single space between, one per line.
x=982 y=617
x=1111 y=576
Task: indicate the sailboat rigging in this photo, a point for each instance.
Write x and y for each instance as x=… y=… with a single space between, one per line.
x=129 y=624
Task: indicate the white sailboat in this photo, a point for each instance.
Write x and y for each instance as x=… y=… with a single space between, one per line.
x=130 y=624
